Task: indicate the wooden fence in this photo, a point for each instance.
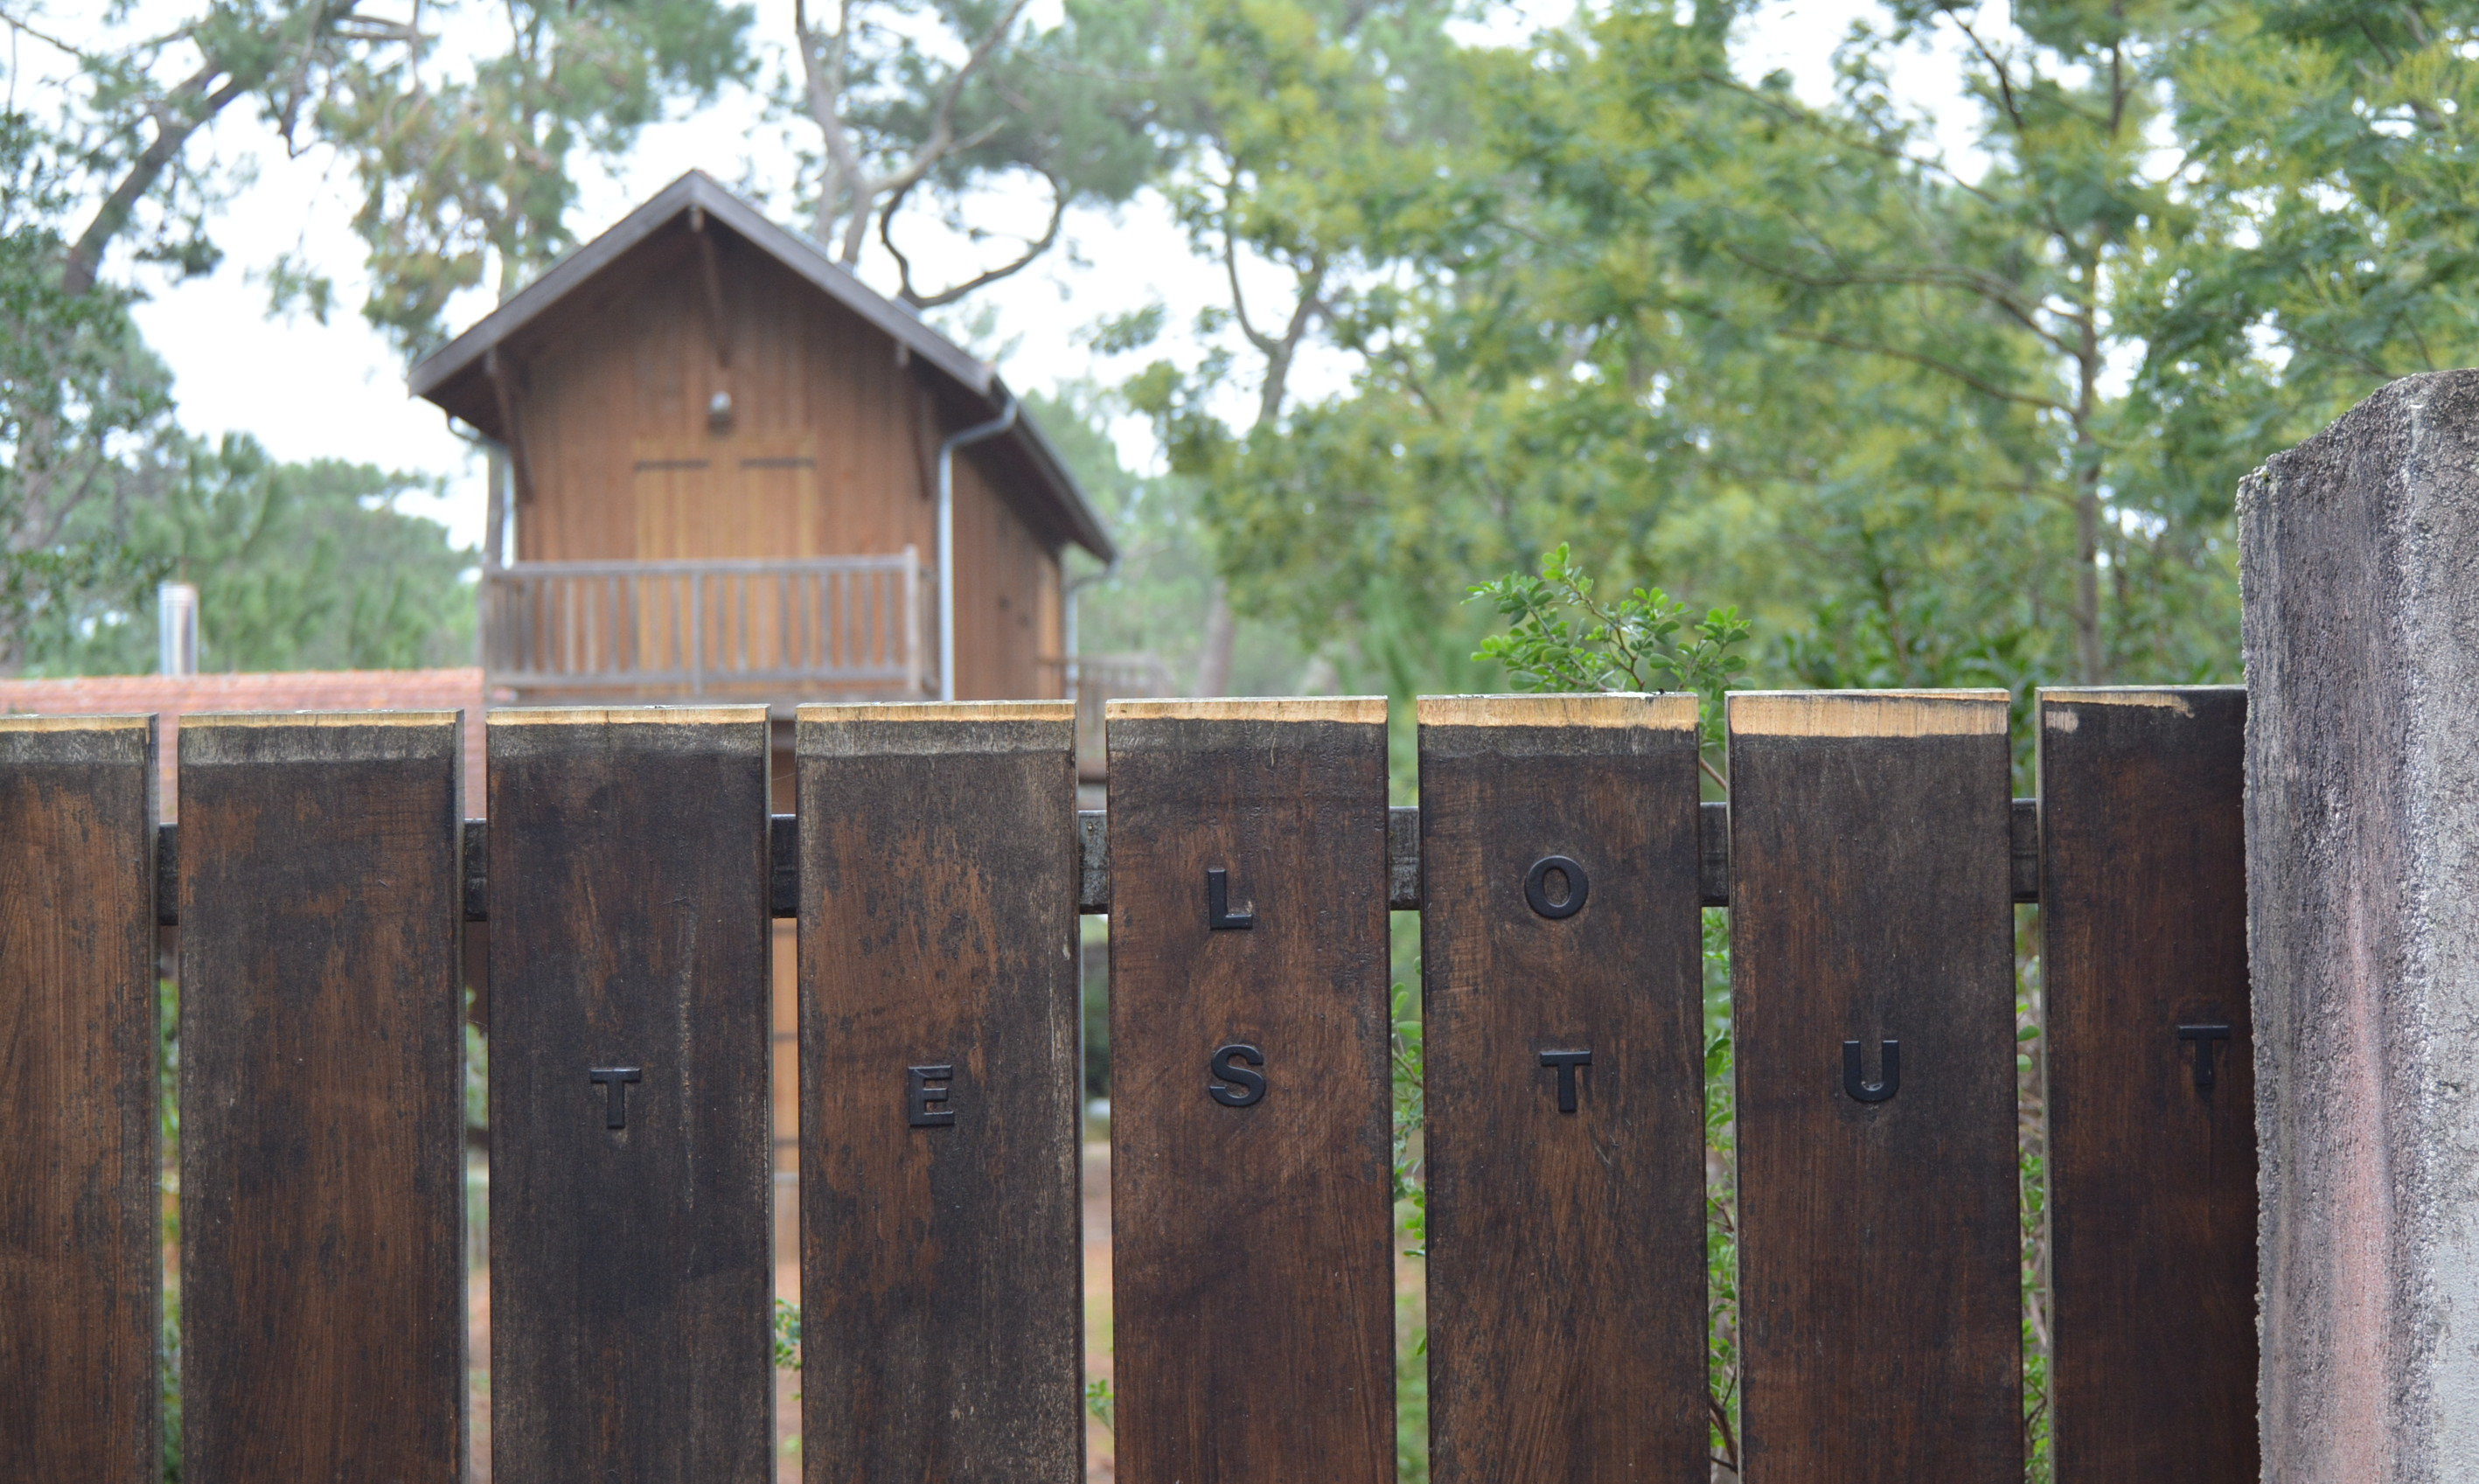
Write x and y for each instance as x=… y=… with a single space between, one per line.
x=1870 y=858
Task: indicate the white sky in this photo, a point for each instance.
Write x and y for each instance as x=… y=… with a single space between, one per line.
x=337 y=390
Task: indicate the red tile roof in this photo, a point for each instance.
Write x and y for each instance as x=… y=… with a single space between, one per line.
x=170 y=697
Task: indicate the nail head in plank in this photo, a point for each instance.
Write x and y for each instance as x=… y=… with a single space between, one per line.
x=1253 y=1323
x=631 y=1177
x=322 y=1097
x=1565 y=1134
x=80 y=1259
x=2152 y=1154
x=1879 y=1253
x=942 y=1326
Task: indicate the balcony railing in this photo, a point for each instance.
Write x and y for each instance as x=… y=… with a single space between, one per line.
x=724 y=628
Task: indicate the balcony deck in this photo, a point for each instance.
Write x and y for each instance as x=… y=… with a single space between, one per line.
x=812 y=629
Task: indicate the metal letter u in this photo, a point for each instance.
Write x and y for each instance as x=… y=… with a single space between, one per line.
x=1890 y=1070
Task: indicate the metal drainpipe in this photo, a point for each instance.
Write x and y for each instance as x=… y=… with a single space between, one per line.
x=1074 y=668
x=947 y=448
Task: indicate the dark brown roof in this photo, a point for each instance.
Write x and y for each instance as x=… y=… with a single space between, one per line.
x=453 y=375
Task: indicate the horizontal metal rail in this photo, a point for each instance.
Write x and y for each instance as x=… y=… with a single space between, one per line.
x=1093 y=858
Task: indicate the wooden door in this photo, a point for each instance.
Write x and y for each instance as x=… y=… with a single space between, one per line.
x=725 y=499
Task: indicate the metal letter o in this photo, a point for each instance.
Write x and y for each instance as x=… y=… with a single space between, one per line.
x=1536 y=887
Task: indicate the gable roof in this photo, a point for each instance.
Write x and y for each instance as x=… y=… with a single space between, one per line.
x=454 y=376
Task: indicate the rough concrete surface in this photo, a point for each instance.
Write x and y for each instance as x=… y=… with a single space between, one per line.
x=2360 y=552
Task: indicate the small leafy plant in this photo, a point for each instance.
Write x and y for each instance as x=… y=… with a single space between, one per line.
x=1562 y=635
x=787 y=1335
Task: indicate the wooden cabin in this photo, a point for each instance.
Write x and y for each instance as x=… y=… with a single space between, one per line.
x=718 y=479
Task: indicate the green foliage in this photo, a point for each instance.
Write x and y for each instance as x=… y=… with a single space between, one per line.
x=787 y=1335
x=1100 y=1404
x=299 y=567
x=1720 y=1197
x=83 y=409
x=1632 y=644
x=472 y=176
x=1918 y=415
x=1154 y=600
x=1410 y=1081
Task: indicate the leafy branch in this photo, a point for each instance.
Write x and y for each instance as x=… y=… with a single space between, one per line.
x=1636 y=642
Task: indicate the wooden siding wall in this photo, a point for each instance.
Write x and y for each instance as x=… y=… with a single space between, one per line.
x=632 y=364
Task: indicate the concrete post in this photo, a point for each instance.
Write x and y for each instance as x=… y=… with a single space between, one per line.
x=2360 y=554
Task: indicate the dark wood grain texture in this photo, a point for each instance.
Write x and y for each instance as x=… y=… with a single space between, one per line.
x=1252 y=1266
x=630 y=1274
x=2152 y=1177
x=1565 y=1249
x=943 y=1324
x=1880 y=1294
x=79 y=1258
x=322 y=1100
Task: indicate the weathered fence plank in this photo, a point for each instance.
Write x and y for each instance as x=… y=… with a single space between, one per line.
x=630 y=1167
x=1872 y=970
x=80 y=1257
x=942 y=1325
x=323 y=1099
x=2151 y=1085
x=1561 y=952
x=1254 y=1274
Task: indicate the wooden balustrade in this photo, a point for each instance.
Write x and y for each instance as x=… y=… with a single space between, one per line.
x=712 y=628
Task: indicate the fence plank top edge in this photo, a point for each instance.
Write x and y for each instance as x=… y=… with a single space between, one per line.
x=1869 y=713
x=1665 y=710
x=250 y=738
x=206 y=720
x=74 y=740
x=821 y=713
x=623 y=716
x=1361 y=709
x=889 y=736
x=2173 y=698
x=28 y=720
x=642 y=731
